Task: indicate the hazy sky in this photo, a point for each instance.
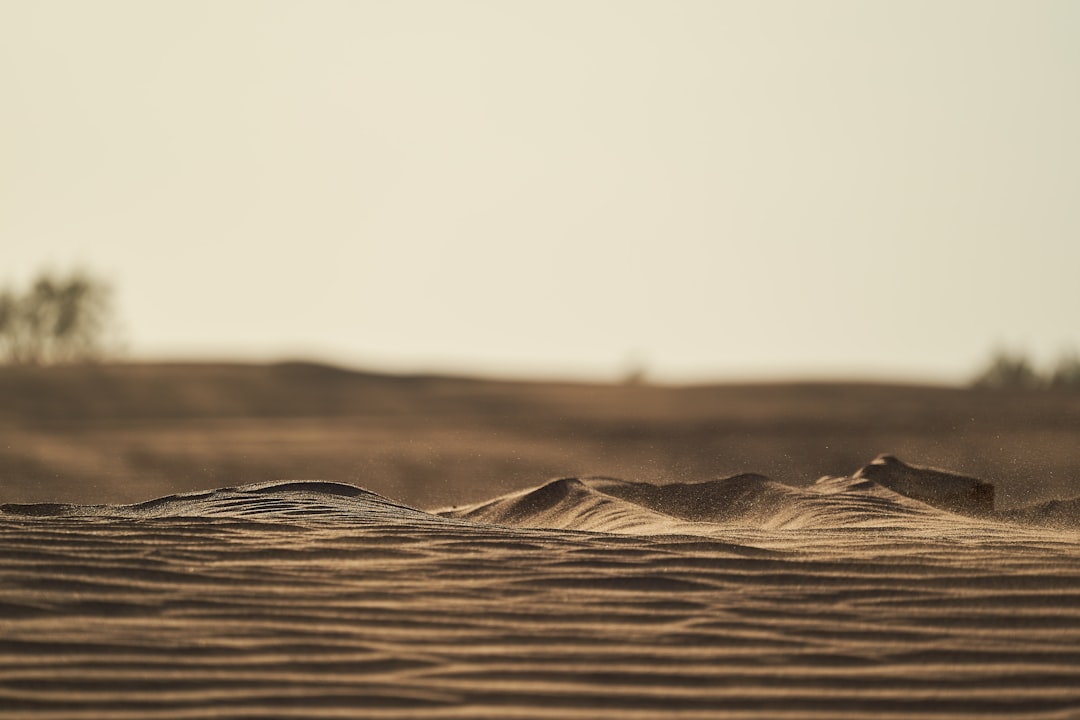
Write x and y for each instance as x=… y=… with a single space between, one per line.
x=712 y=189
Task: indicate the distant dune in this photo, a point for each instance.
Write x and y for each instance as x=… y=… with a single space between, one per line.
x=581 y=598
x=122 y=433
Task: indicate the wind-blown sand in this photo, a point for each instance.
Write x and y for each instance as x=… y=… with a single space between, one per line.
x=582 y=598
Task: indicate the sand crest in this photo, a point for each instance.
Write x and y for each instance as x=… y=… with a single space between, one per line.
x=581 y=598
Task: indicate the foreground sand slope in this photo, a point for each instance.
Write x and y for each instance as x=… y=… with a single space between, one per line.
x=317 y=599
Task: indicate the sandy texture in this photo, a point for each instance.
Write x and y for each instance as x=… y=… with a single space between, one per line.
x=734 y=598
x=125 y=433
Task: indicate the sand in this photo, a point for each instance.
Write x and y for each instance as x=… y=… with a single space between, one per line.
x=581 y=598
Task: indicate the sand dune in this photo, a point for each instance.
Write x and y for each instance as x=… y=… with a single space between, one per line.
x=306 y=499
x=582 y=598
x=939 y=488
x=710 y=508
x=1062 y=514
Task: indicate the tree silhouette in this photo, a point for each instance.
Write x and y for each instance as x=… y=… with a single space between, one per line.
x=1013 y=370
x=1007 y=370
x=57 y=320
x=1067 y=372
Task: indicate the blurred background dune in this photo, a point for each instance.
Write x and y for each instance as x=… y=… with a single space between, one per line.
x=127 y=432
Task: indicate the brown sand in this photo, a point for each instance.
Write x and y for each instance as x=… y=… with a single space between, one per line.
x=124 y=433
x=736 y=598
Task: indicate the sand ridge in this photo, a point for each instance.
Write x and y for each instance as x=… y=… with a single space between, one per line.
x=714 y=507
x=307 y=499
x=589 y=598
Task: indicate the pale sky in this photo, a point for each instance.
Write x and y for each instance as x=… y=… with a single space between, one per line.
x=716 y=190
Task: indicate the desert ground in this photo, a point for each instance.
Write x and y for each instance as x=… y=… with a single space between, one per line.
x=302 y=541
x=126 y=433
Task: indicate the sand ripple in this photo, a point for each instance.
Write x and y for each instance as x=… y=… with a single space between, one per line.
x=309 y=600
x=711 y=508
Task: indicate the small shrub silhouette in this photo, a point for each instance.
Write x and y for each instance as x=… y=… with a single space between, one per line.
x=1013 y=370
x=1008 y=370
x=1066 y=374
x=57 y=320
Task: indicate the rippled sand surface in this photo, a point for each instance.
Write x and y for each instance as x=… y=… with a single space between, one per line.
x=582 y=598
